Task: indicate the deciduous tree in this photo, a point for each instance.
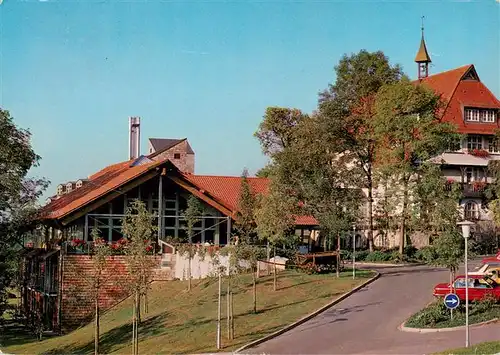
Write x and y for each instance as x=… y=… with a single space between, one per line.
x=409 y=133
x=18 y=196
x=347 y=113
x=192 y=216
x=138 y=230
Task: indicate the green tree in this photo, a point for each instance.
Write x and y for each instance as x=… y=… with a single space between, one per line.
x=277 y=129
x=265 y=172
x=449 y=251
x=18 y=198
x=245 y=227
x=138 y=230
x=274 y=217
x=314 y=170
x=98 y=279
x=409 y=133
x=192 y=216
x=347 y=112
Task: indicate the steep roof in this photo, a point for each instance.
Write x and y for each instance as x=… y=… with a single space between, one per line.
x=422 y=54
x=222 y=192
x=459 y=88
x=98 y=185
x=162 y=144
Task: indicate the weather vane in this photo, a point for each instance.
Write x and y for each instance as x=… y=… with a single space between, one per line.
x=422 y=23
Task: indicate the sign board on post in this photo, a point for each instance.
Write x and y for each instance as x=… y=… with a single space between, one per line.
x=451 y=301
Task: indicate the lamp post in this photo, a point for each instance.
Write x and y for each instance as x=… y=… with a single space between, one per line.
x=354 y=252
x=466 y=233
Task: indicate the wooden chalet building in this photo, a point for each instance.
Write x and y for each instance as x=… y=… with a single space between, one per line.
x=54 y=291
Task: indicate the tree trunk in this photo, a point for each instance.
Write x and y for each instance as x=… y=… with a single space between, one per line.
x=189 y=265
x=96 y=324
x=370 y=209
x=275 y=276
x=232 y=315
x=254 y=279
x=137 y=307
x=338 y=256
x=134 y=314
x=403 y=221
x=228 y=301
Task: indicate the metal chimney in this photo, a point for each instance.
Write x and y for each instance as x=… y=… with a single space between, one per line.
x=134 y=137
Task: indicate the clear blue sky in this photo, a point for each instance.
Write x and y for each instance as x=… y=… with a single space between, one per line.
x=74 y=71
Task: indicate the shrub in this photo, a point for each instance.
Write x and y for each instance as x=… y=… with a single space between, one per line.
x=361 y=255
x=429 y=316
x=426 y=254
x=410 y=251
x=378 y=255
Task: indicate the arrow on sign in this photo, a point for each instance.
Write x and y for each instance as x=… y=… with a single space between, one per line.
x=452 y=301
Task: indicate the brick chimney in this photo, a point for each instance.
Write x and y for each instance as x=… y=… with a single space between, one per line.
x=134 y=137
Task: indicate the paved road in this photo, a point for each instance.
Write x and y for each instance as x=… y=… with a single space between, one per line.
x=367 y=322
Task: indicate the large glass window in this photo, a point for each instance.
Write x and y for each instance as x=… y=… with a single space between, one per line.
x=474 y=142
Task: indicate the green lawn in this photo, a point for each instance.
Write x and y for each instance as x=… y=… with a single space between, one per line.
x=492 y=347
x=182 y=322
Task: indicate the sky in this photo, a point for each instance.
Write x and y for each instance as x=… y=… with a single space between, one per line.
x=72 y=72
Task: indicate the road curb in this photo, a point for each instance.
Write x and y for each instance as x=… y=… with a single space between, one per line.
x=309 y=316
x=389 y=264
x=439 y=330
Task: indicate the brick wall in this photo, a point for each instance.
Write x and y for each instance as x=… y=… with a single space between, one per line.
x=185 y=162
x=77 y=298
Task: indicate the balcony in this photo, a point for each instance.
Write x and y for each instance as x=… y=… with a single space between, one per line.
x=474 y=189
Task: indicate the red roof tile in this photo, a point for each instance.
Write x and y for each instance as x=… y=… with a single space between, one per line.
x=98 y=185
x=458 y=93
x=226 y=191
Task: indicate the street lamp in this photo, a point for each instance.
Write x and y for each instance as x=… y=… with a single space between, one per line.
x=466 y=233
x=354 y=252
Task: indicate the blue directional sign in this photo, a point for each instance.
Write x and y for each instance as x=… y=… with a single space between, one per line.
x=451 y=301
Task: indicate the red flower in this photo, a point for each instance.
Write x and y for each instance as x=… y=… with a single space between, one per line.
x=149 y=248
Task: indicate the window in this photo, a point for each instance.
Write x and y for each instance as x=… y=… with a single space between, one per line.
x=60 y=190
x=489 y=116
x=471 y=115
x=177 y=155
x=493 y=145
x=471 y=211
x=69 y=187
x=471 y=174
x=474 y=142
x=477 y=115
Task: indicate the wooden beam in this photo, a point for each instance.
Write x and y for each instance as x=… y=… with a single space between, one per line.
x=111 y=196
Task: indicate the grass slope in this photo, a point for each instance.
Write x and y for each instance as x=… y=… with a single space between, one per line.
x=182 y=322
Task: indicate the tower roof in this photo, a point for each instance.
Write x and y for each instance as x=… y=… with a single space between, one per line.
x=422 y=54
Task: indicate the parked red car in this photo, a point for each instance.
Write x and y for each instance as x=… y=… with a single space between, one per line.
x=479 y=287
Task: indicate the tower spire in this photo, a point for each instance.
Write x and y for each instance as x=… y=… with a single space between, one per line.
x=423 y=58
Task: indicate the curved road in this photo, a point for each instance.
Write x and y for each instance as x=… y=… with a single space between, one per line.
x=367 y=321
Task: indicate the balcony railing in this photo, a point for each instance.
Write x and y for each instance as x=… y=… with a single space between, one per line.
x=472 y=189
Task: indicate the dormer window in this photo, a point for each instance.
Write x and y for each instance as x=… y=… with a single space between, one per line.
x=79 y=184
x=69 y=187
x=60 y=189
x=471 y=115
x=480 y=115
